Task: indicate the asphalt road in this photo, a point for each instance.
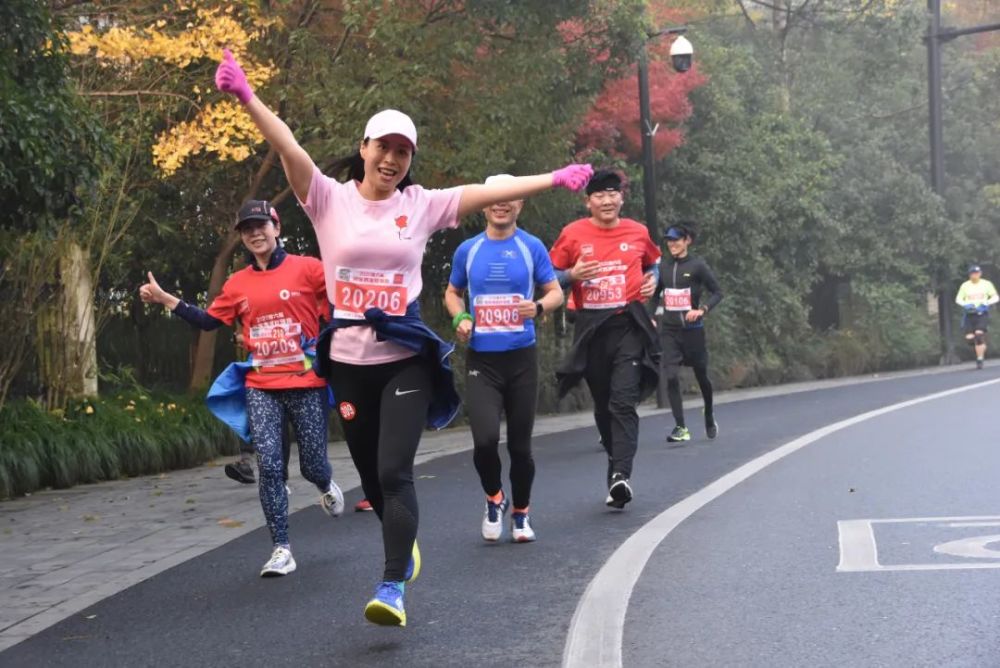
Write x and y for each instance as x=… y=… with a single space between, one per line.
x=751 y=579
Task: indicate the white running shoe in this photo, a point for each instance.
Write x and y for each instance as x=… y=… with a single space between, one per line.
x=280 y=563
x=520 y=528
x=493 y=519
x=332 y=501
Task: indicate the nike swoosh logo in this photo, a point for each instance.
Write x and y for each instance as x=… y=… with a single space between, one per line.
x=399 y=394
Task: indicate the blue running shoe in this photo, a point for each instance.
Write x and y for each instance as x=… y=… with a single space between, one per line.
x=492 y=528
x=413 y=568
x=386 y=609
x=520 y=528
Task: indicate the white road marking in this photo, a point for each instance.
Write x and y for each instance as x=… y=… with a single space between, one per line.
x=972 y=548
x=595 y=633
x=859 y=551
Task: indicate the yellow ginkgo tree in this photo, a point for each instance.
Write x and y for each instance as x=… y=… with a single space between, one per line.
x=163 y=49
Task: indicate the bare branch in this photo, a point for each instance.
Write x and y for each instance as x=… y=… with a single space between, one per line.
x=746 y=14
x=139 y=93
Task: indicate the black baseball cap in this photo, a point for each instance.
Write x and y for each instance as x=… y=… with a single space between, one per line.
x=975 y=269
x=604 y=179
x=257 y=209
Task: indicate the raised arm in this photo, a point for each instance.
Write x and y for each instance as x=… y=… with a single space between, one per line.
x=152 y=293
x=299 y=167
x=476 y=197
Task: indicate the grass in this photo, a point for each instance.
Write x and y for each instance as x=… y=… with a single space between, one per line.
x=129 y=434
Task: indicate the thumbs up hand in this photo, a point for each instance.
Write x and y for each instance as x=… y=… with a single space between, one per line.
x=230 y=78
x=152 y=293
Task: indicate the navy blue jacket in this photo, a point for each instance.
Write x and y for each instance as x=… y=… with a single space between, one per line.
x=410 y=332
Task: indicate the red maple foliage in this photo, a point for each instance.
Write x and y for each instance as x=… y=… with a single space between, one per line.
x=612 y=124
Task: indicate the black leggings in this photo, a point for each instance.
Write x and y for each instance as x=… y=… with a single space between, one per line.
x=383 y=411
x=508 y=382
x=674 y=393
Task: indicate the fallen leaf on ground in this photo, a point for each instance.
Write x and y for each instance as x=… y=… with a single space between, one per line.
x=230 y=523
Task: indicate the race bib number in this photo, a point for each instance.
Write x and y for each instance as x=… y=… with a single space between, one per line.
x=677 y=299
x=497 y=313
x=604 y=292
x=357 y=290
x=276 y=343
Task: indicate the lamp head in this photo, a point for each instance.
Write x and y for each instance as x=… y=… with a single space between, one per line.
x=682 y=53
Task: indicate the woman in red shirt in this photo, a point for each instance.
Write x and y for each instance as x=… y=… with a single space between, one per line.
x=279 y=299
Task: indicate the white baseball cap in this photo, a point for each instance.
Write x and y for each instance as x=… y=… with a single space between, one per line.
x=391 y=122
x=496 y=177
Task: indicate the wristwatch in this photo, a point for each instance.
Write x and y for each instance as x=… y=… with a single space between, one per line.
x=539 y=309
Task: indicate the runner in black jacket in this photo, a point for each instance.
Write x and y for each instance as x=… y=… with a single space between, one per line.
x=683 y=279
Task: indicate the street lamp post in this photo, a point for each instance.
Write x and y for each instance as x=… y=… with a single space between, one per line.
x=681 y=54
x=934 y=38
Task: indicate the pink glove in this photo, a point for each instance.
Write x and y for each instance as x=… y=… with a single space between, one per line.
x=572 y=177
x=229 y=78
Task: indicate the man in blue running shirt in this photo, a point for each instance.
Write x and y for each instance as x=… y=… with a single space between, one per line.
x=501 y=268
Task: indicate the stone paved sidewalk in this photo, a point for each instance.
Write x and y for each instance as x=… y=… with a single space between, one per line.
x=65 y=550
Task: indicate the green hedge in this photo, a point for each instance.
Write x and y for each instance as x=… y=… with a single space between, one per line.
x=104 y=439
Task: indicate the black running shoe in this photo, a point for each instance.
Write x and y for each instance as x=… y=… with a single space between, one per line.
x=619 y=493
x=241 y=471
x=711 y=427
x=979 y=364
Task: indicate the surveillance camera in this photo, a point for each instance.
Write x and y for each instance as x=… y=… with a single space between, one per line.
x=682 y=54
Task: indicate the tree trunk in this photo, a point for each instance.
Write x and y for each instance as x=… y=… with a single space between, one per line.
x=67 y=328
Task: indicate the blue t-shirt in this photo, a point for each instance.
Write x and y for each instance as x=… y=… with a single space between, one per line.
x=498 y=274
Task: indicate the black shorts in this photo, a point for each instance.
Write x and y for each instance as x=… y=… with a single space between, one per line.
x=684 y=347
x=977 y=322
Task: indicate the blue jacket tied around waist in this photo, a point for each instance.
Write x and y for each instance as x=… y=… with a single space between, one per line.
x=227 y=398
x=410 y=332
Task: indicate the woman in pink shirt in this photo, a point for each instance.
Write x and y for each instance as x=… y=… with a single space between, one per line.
x=388 y=371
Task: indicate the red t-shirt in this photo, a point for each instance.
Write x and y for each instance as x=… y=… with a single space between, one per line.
x=622 y=250
x=276 y=308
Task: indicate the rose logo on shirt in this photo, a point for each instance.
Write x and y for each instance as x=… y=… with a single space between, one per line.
x=623 y=247
x=401 y=223
x=284 y=294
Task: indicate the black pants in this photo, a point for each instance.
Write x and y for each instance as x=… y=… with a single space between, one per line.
x=614 y=374
x=383 y=411
x=686 y=347
x=507 y=382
